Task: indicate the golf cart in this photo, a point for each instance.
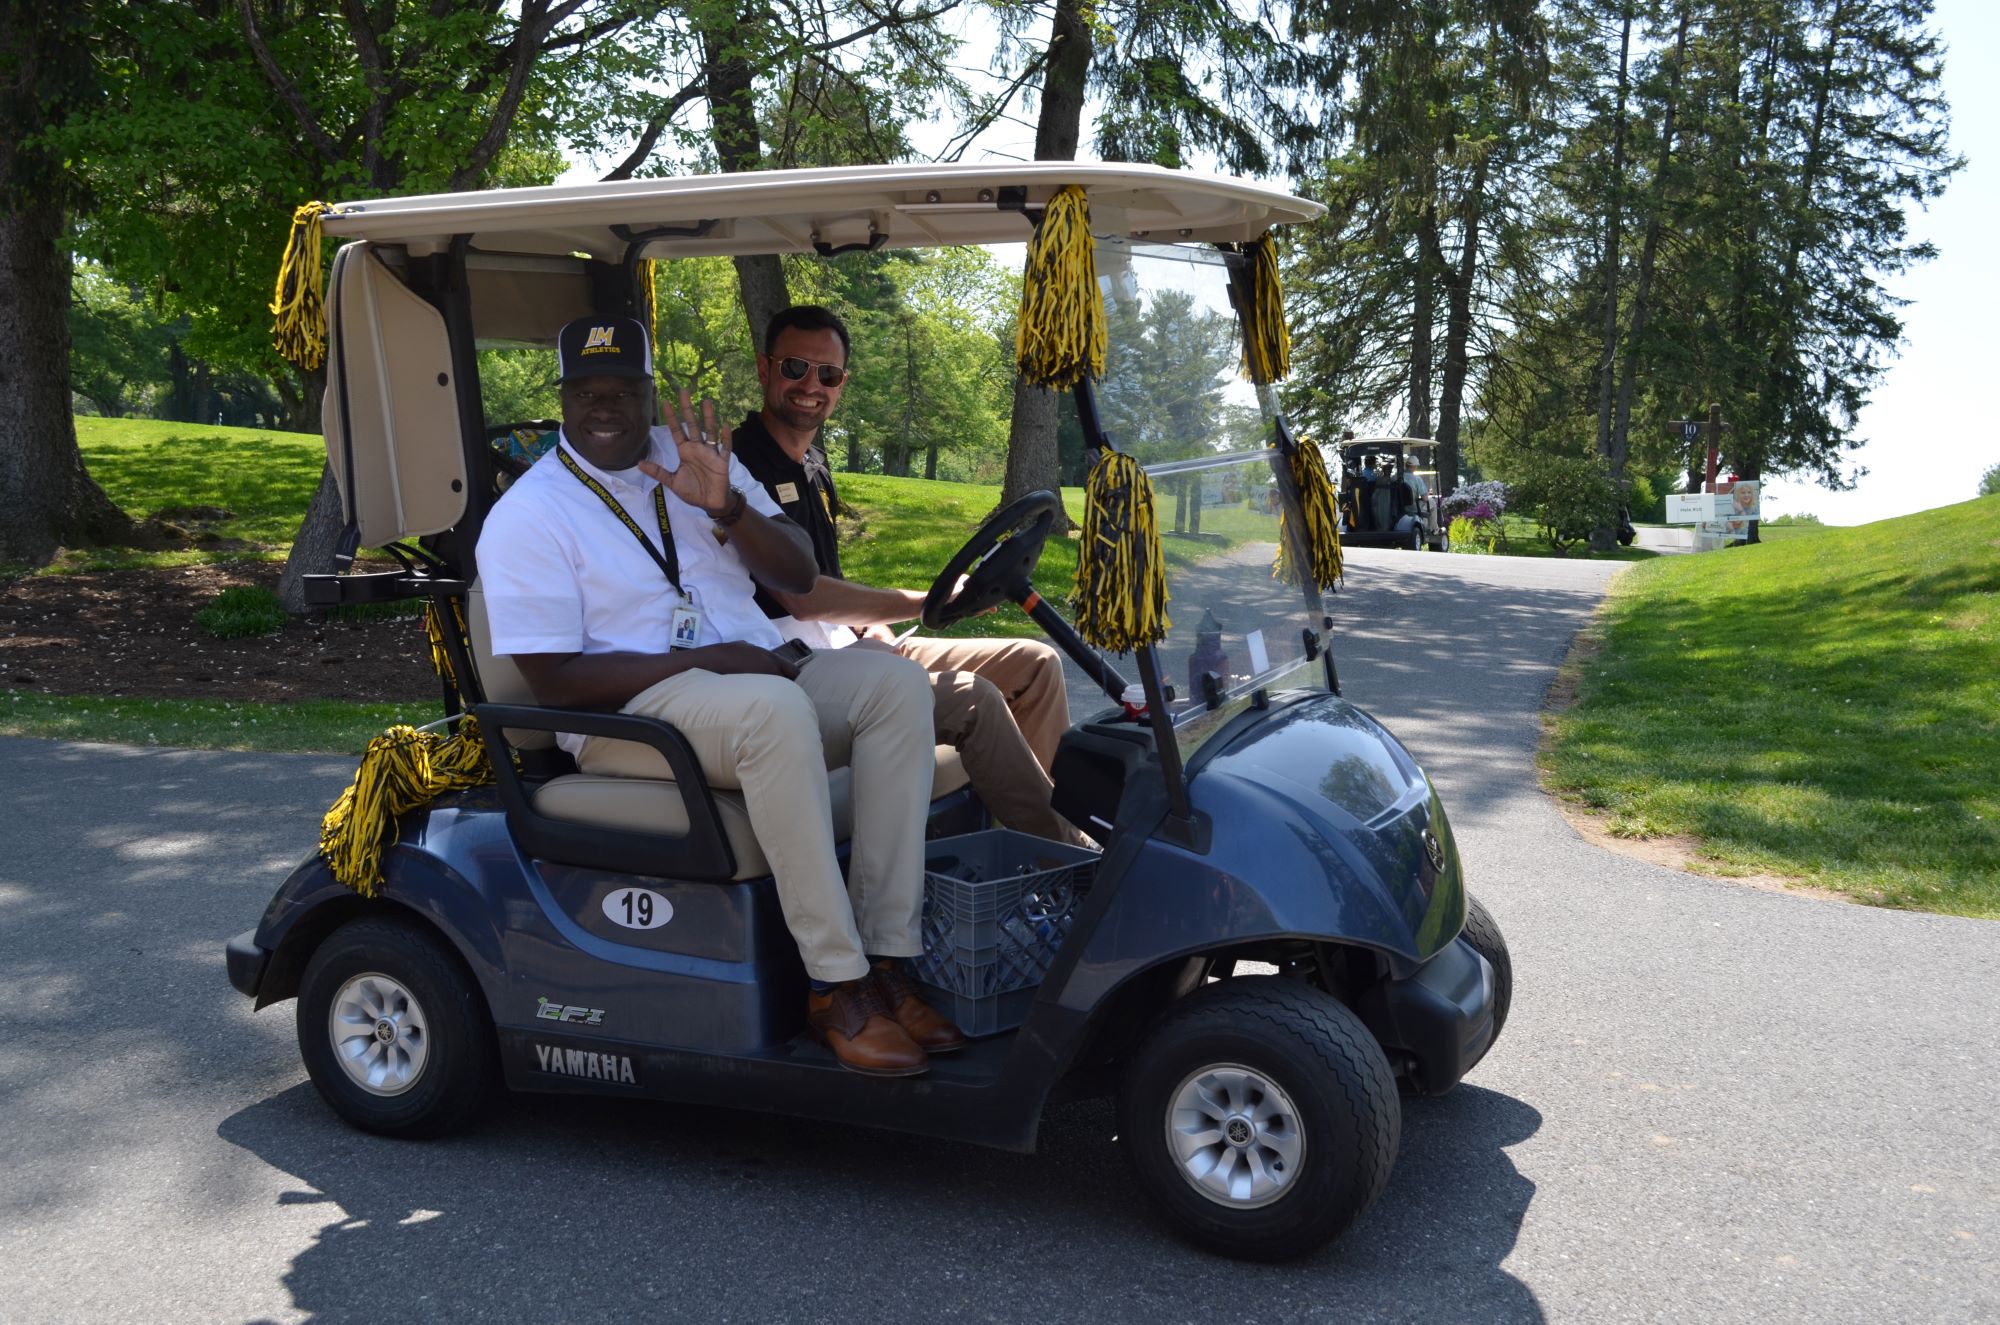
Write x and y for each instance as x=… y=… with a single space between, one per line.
x=1275 y=940
x=1390 y=495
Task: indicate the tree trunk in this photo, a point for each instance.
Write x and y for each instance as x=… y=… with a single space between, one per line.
x=732 y=119
x=1423 y=321
x=1642 y=288
x=1031 y=443
x=1458 y=332
x=47 y=497
x=930 y=461
x=315 y=545
x=1614 y=199
x=760 y=278
x=1031 y=434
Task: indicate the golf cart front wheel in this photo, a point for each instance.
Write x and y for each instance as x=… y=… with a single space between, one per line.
x=1261 y=1116
x=1483 y=933
x=393 y=1034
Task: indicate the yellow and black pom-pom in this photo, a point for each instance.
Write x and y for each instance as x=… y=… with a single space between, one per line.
x=402 y=769
x=1060 y=333
x=1322 y=517
x=298 y=304
x=1267 y=345
x=1120 y=601
x=440 y=656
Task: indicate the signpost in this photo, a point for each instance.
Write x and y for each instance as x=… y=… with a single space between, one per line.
x=1716 y=515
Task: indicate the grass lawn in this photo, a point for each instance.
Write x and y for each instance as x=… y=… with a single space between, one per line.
x=309 y=726
x=1825 y=707
x=264 y=479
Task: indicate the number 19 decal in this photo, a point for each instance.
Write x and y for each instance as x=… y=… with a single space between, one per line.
x=637 y=908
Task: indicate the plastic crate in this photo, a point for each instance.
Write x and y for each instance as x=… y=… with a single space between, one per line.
x=997 y=907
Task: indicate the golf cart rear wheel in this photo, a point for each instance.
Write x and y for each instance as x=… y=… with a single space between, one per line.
x=1483 y=933
x=393 y=1033
x=1262 y=1117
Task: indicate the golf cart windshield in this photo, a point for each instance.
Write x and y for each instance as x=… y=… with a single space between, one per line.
x=1175 y=397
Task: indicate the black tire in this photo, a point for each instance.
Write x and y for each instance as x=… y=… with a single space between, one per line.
x=454 y=1073
x=1326 y=1067
x=1483 y=933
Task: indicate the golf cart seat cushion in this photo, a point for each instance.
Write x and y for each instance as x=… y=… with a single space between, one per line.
x=629 y=786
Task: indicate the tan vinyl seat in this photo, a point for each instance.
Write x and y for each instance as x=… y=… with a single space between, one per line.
x=644 y=799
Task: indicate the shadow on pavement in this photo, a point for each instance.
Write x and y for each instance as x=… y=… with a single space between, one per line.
x=555 y=1208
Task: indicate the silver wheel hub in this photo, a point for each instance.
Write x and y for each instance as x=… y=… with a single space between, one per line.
x=1235 y=1136
x=379 y=1033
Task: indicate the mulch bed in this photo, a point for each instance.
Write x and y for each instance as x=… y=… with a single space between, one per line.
x=133 y=633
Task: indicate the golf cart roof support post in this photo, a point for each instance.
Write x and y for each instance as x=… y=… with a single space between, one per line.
x=1295 y=525
x=441 y=279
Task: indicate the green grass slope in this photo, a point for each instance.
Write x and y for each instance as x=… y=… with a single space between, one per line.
x=1825 y=708
x=265 y=479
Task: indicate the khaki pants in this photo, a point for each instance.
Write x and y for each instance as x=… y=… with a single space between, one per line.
x=773 y=740
x=1003 y=705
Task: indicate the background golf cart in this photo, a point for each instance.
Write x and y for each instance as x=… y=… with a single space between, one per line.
x=1382 y=512
x=1252 y=817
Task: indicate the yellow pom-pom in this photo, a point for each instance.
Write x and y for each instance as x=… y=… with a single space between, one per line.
x=1322 y=519
x=402 y=770
x=298 y=304
x=1059 y=336
x=1120 y=601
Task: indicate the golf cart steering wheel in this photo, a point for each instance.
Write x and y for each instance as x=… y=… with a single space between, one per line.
x=996 y=561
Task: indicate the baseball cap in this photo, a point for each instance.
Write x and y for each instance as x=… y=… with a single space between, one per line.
x=604 y=347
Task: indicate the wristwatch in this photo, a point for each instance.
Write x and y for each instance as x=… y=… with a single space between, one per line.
x=732 y=510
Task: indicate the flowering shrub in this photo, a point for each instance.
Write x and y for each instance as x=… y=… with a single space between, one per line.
x=1478 y=501
x=1474 y=511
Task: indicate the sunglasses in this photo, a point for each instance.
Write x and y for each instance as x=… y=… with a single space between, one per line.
x=794 y=370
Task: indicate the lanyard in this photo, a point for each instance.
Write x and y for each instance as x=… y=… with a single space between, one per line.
x=670 y=561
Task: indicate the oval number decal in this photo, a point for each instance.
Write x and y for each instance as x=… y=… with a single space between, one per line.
x=637 y=908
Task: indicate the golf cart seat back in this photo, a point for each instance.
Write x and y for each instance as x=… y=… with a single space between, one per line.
x=391 y=413
x=632 y=788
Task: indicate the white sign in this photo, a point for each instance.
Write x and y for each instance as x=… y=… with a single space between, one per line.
x=1690 y=507
x=1260 y=658
x=637 y=908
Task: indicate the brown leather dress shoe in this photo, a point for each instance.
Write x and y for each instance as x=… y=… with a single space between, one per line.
x=857 y=1025
x=931 y=1029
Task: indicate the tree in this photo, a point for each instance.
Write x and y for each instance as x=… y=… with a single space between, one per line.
x=1421 y=195
x=47 y=498
x=1989 y=482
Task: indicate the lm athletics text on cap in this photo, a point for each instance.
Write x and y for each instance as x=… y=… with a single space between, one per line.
x=604 y=347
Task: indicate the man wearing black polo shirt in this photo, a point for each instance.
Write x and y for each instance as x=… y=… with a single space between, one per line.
x=1001 y=703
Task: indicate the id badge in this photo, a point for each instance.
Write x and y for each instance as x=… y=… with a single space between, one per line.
x=686 y=627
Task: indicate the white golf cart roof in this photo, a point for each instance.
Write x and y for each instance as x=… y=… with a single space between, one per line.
x=394 y=417
x=786 y=211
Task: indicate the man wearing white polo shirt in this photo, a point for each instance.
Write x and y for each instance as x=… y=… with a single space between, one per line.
x=620 y=573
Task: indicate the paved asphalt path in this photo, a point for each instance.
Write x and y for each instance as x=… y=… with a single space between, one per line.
x=1711 y=1104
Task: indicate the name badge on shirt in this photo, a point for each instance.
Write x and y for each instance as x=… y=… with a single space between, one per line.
x=788 y=493
x=686 y=627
